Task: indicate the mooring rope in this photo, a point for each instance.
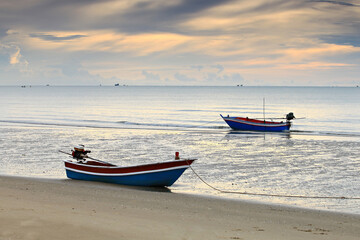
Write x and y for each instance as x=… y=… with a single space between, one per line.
x=200 y=125
x=270 y=195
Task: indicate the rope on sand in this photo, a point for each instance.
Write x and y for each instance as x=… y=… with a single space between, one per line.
x=270 y=195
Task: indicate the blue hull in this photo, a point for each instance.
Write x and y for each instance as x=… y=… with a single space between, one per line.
x=246 y=127
x=154 y=179
x=246 y=124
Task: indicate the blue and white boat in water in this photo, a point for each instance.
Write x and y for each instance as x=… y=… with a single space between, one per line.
x=253 y=124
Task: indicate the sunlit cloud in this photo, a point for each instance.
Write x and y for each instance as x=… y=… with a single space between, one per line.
x=318 y=51
x=16 y=60
x=99 y=41
x=315 y=57
x=49 y=37
x=316 y=65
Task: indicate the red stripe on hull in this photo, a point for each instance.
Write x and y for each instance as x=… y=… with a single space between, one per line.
x=258 y=121
x=133 y=169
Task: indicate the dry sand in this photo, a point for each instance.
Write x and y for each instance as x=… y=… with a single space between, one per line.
x=69 y=209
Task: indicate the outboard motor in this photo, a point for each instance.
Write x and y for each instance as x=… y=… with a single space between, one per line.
x=290 y=116
x=80 y=152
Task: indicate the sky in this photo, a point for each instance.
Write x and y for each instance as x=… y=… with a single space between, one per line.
x=180 y=42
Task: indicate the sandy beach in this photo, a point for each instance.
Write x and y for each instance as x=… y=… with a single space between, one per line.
x=33 y=208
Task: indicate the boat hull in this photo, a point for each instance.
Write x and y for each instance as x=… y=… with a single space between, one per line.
x=247 y=124
x=151 y=175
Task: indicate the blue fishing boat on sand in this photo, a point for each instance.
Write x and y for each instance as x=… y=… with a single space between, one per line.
x=148 y=175
x=252 y=124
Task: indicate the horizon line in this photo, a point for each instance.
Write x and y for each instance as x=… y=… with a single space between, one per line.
x=126 y=85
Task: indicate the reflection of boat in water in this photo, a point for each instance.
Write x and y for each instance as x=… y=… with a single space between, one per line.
x=252 y=124
x=149 y=175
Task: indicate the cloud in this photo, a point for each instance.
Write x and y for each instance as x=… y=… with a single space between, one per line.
x=301 y=54
x=183 y=78
x=15 y=59
x=337 y=3
x=180 y=41
x=70 y=72
x=316 y=65
x=3 y=32
x=49 y=37
x=155 y=16
x=198 y=67
x=107 y=41
x=219 y=67
x=317 y=57
x=136 y=16
x=225 y=79
x=150 y=76
x=344 y=39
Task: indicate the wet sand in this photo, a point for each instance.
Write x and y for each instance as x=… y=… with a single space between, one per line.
x=33 y=208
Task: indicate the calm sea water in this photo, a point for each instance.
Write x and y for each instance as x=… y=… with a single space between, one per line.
x=320 y=156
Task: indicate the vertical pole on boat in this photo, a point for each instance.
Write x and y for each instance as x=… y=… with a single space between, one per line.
x=264 y=112
x=264 y=108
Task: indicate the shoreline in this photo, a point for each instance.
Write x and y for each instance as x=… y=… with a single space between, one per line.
x=193 y=194
x=37 y=208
